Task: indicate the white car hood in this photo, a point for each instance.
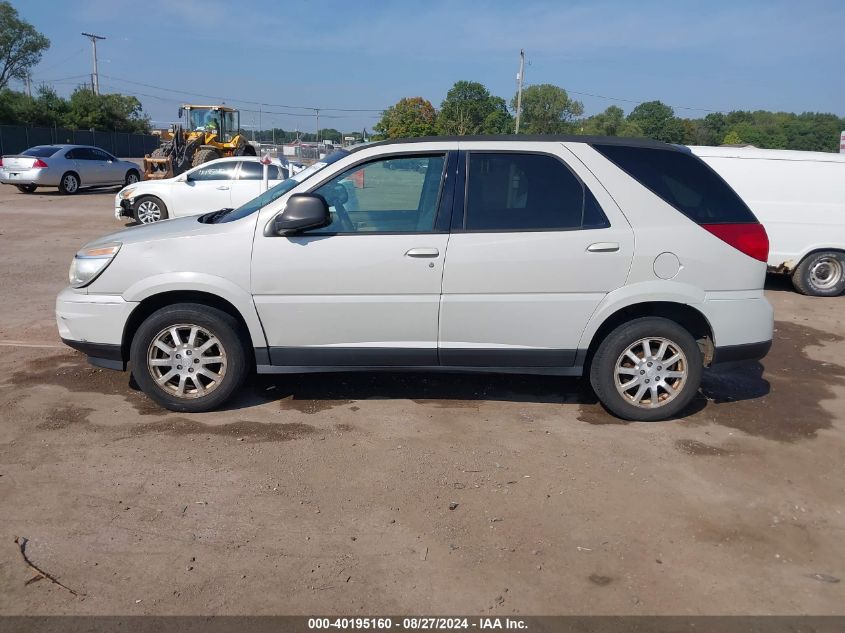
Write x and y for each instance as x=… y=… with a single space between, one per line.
x=162 y=230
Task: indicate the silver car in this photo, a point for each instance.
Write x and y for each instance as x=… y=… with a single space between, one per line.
x=67 y=167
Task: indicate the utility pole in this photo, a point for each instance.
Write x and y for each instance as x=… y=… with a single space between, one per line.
x=317 y=132
x=519 y=79
x=28 y=80
x=95 y=77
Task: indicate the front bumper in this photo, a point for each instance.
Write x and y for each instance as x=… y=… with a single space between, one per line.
x=41 y=177
x=94 y=324
x=123 y=208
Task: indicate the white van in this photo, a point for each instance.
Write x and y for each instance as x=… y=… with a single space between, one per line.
x=800 y=199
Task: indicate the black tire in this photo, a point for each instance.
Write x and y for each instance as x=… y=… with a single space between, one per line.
x=142 y=210
x=132 y=176
x=628 y=335
x=204 y=155
x=69 y=184
x=182 y=316
x=821 y=274
x=27 y=188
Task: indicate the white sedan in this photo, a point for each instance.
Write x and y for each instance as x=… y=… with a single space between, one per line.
x=217 y=184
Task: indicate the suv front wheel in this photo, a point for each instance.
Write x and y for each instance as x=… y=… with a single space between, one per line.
x=188 y=357
x=647 y=369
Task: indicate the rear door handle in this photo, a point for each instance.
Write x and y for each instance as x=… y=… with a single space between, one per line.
x=423 y=252
x=223 y=188
x=603 y=247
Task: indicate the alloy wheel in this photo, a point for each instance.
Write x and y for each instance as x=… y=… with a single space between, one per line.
x=651 y=372
x=187 y=360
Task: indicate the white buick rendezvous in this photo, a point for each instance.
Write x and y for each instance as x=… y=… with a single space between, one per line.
x=629 y=261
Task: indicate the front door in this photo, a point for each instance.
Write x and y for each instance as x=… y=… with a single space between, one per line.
x=365 y=290
x=205 y=188
x=535 y=250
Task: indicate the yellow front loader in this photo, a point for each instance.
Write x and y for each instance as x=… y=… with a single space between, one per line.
x=209 y=132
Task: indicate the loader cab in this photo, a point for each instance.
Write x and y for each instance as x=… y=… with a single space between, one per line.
x=224 y=121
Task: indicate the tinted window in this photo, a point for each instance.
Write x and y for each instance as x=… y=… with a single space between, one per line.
x=388 y=195
x=82 y=153
x=518 y=192
x=42 y=151
x=683 y=181
x=99 y=154
x=218 y=171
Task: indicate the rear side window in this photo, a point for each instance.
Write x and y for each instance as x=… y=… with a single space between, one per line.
x=42 y=151
x=683 y=181
x=527 y=192
x=251 y=170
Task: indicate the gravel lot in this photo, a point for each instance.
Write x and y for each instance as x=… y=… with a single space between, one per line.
x=332 y=493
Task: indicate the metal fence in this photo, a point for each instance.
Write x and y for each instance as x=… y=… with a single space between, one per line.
x=16 y=138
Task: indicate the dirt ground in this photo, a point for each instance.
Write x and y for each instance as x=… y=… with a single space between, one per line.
x=333 y=493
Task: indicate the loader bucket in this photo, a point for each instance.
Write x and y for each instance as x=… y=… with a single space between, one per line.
x=158 y=168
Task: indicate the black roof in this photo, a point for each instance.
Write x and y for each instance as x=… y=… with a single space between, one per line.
x=548 y=138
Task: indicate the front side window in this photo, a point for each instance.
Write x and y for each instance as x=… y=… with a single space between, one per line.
x=397 y=194
x=99 y=154
x=217 y=171
x=526 y=192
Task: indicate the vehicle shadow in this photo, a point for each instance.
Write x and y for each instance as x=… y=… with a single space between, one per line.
x=87 y=191
x=311 y=393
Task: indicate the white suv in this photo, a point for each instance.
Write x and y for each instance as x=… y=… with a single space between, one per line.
x=628 y=260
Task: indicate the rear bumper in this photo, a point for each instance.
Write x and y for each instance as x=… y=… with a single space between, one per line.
x=41 y=177
x=741 y=353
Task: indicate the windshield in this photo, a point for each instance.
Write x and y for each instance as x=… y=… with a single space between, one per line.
x=279 y=190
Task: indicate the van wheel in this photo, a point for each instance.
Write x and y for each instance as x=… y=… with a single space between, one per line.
x=647 y=369
x=188 y=357
x=820 y=274
x=150 y=209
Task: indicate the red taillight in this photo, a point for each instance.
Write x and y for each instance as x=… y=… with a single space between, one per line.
x=750 y=239
x=39 y=164
x=1 y=161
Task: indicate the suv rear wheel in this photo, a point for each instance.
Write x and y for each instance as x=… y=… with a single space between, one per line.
x=647 y=369
x=188 y=357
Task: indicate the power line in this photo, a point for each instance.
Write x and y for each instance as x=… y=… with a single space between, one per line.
x=638 y=101
x=311 y=109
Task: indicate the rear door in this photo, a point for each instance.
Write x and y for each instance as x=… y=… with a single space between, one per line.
x=535 y=246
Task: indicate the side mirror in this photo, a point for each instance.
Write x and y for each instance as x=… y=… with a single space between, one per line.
x=303 y=211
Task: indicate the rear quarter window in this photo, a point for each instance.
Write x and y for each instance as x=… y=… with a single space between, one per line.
x=683 y=181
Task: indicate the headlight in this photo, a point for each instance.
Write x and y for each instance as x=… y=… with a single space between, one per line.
x=90 y=262
x=126 y=193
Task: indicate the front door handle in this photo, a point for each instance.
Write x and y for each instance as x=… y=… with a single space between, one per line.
x=423 y=252
x=603 y=247
x=223 y=188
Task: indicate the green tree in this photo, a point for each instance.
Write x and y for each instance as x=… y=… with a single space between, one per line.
x=469 y=108
x=732 y=138
x=611 y=122
x=657 y=120
x=409 y=117
x=105 y=112
x=21 y=46
x=547 y=109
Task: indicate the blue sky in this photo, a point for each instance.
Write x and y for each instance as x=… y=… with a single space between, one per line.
x=704 y=55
